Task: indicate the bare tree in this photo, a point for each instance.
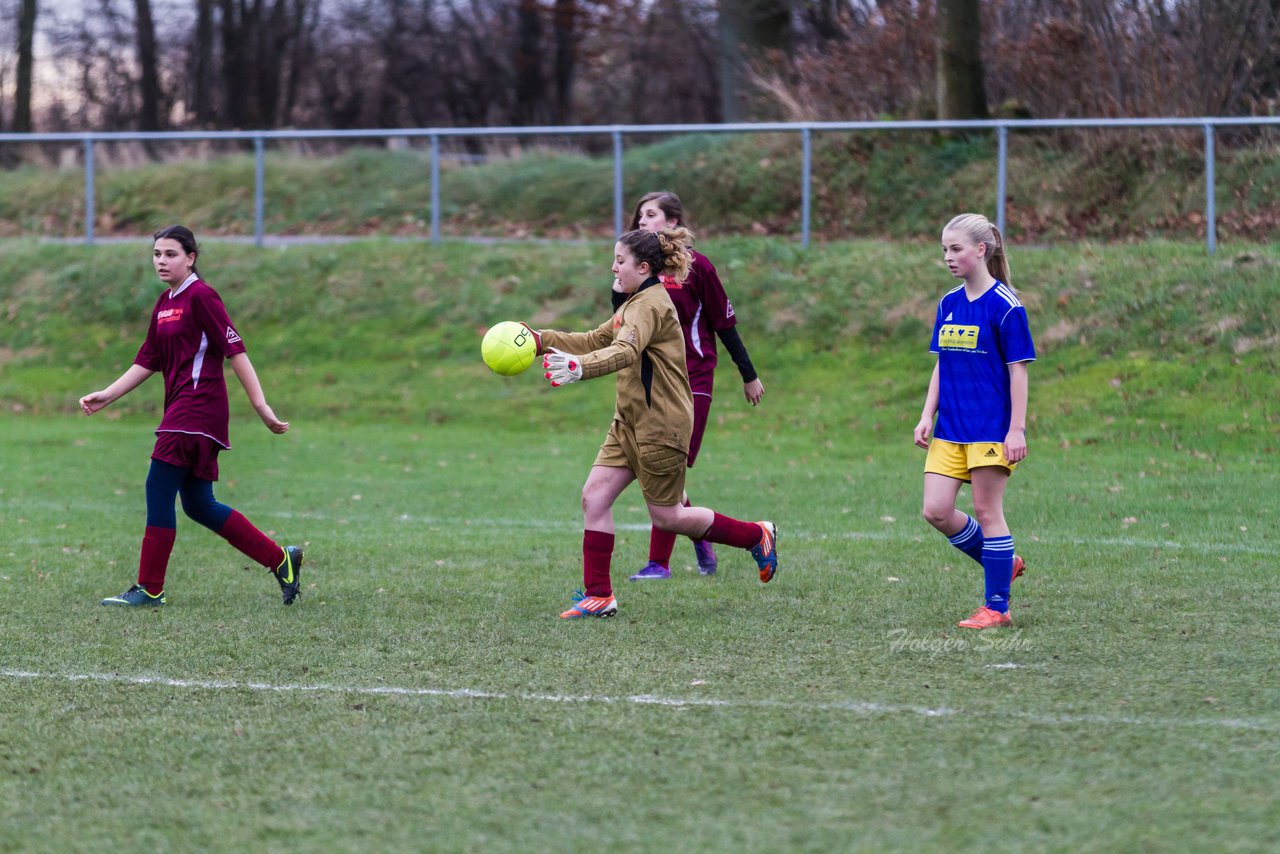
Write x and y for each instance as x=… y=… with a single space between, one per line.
x=22 y=94
x=529 y=83
x=748 y=28
x=149 y=117
x=962 y=92
x=565 y=26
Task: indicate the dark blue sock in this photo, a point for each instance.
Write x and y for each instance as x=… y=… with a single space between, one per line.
x=997 y=567
x=969 y=540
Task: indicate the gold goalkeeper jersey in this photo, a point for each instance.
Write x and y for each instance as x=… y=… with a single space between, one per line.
x=644 y=345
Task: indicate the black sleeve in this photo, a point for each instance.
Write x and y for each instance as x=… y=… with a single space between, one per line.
x=738 y=352
x=618 y=298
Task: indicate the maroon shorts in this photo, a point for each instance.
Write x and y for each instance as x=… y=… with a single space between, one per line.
x=189 y=451
x=701 y=411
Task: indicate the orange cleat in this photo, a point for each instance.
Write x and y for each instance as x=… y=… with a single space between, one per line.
x=590 y=606
x=985 y=618
x=766 y=551
x=1018 y=566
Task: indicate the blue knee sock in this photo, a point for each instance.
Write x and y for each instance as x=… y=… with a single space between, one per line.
x=969 y=540
x=997 y=567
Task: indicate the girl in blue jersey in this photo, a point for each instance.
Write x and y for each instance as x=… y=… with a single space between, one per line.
x=978 y=392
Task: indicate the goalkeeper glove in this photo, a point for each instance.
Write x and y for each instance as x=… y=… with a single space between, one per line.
x=537 y=339
x=562 y=368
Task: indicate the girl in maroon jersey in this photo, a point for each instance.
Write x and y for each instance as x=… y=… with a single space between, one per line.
x=703 y=308
x=189 y=337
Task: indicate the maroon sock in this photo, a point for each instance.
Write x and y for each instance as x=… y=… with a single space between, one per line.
x=260 y=548
x=732 y=532
x=663 y=543
x=157 y=543
x=597 y=551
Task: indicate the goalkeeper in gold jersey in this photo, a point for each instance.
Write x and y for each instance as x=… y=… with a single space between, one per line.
x=643 y=344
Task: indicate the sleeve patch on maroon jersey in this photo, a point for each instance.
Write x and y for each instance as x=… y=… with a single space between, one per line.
x=728 y=309
x=233 y=337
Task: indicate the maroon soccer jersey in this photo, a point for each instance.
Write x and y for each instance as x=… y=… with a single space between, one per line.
x=703 y=308
x=189 y=337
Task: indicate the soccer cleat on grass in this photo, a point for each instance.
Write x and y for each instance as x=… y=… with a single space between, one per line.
x=707 y=561
x=590 y=606
x=985 y=618
x=766 y=551
x=652 y=569
x=136 y=596
x=287 y=573
x=1018 y=566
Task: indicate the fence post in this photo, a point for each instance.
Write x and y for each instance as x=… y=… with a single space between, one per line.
x=806 y=183
x=89 y=194
x=1210 y=212
x=617 y=182
x=435 y=188
x=1002 y=177
x=259 y=168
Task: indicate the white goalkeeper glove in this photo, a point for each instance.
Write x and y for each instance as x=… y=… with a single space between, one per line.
x=562 y=368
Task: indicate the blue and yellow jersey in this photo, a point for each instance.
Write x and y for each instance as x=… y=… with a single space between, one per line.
x=975 y=343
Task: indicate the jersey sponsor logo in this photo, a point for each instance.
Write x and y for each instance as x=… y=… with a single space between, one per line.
x=168 y=315
x=670 y=283
x=957 y=336
x=233 y=337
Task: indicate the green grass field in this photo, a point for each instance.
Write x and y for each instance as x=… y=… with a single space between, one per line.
x=422 y=695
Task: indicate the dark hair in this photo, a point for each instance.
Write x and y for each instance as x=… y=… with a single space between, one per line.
x=666 y=252
x=185 y=239
x=668 y=202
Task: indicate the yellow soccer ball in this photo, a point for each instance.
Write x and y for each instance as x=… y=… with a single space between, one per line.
x=508 y=348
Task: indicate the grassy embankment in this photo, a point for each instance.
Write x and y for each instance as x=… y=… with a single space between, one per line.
x=1109 y=186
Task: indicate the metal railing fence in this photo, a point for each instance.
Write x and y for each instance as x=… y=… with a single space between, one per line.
x=806 y=130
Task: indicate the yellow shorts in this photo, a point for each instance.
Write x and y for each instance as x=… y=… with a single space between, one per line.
x=956 y=460
x=659 y=469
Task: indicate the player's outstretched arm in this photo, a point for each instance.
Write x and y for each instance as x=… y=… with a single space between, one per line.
x=128 y=381
x=249 y=379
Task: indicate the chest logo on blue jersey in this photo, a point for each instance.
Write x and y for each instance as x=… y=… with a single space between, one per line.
x=957 y=336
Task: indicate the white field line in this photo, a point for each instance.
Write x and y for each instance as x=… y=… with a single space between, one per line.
x=896 y=533
x=860 y=708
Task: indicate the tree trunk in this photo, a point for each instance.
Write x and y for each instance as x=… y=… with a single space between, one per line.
x=747 y=28
x=234 y=60
x=149 y=119
x=26 y=39
x=202 y=91
x=962 y=92
x=530 y=88
x=565 y=22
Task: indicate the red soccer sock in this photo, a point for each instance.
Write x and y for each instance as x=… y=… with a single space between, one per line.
x=663 y=543
x=260 y=548
x=732 y=532
x=157 y=544
x=597 y=552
